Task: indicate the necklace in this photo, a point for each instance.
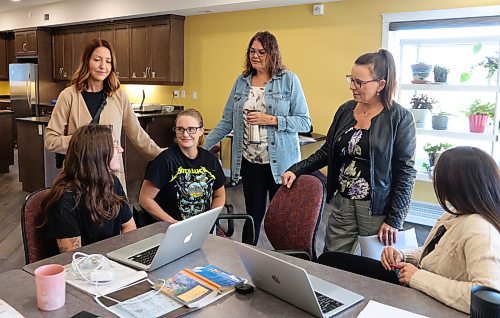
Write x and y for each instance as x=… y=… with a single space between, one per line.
x=365 y=114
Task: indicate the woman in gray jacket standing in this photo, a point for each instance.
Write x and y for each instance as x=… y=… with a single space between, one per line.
x=265 y=110
x=369 y=151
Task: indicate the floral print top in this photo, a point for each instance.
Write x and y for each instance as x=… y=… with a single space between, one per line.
x=255 y=153
x=353 y=149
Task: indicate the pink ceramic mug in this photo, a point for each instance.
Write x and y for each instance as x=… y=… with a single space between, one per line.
x=50 y=287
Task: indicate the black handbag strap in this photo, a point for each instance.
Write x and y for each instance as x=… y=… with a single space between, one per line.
x=95 y=120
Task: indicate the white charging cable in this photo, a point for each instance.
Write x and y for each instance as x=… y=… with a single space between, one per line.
x=99 y=269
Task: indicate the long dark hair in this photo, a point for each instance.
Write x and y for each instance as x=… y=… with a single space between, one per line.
x=270 y=44
x=469 y=179
x=383 y=68
x=79 y=79
x=86 y=173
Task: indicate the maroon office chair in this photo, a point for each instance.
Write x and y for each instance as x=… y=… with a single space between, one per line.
x=34 y=239
x=293 y=217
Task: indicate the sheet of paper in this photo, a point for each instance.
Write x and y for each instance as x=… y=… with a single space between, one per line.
x=372 y=247
x=145 y=305
x=375 y=309
x=123 y=276
x=6 y=311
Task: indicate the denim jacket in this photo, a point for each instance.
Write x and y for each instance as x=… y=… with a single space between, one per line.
x=284 y=99
x=392 y=156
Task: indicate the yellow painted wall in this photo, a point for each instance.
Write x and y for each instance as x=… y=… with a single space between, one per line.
x=4 y=88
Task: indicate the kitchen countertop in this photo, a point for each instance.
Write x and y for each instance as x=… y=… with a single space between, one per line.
x=37 y=120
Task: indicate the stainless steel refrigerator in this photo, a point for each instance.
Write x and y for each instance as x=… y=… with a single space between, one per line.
x=23 y=81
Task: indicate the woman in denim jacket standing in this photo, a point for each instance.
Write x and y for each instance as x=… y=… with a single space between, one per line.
x=369 y=151
x=265 y=110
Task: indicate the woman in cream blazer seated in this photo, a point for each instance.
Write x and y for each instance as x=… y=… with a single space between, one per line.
x=463 y=247
x=94 y=81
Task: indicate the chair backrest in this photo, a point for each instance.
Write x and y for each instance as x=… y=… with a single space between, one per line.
x=34 y=238
x=294 y=214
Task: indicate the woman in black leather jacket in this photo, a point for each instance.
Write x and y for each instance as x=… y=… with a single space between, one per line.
x=369 y=151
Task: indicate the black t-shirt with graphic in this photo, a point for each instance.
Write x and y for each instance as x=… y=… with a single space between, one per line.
x=66 y=219
x=186 y=185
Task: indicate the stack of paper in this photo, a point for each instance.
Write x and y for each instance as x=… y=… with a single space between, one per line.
x=122 y=274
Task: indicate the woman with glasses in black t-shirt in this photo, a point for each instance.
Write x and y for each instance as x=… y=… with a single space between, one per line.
x=184 y=180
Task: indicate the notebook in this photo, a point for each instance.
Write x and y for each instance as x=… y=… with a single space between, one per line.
x=292 y=284
x=180 y=239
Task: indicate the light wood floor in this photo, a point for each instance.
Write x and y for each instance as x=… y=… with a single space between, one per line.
x=12 y=198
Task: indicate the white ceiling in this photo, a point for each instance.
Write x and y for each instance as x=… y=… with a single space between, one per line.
x=9 y=5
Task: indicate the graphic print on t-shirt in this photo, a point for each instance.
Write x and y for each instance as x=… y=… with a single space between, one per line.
x=194 y=190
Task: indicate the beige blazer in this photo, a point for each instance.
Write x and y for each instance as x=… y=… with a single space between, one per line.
x=468 y=254
x=72 y=111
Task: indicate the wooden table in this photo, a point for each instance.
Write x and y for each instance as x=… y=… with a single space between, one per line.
x=220 y=252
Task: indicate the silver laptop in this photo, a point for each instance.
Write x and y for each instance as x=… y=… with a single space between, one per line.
x=292 y=284
x=180 y=239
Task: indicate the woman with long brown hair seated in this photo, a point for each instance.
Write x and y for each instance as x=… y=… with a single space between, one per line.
x=87 y=203
x=463 y=247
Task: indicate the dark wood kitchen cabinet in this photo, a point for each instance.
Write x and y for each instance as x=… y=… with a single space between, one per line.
x=157 y=51
x=118 y=36
x=81 y=37
x=62 y=55
x=29 y=43
x=7 y=53
x=148 y=50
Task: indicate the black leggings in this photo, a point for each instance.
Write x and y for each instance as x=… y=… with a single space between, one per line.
x=257 y=182
x=359 y=265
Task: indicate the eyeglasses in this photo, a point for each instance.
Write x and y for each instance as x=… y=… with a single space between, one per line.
x=116 y=143
x=357 y=82
x=190 y=130
x=260 y=53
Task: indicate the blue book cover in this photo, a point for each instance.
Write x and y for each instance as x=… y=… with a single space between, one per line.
x=222 y=279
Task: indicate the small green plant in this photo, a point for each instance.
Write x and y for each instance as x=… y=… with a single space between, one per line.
x=440 y=74
x=490 y=63
x=422 y=102
x=436 y=148
x=479 y=108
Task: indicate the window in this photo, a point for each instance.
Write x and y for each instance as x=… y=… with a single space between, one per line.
x=465 y=41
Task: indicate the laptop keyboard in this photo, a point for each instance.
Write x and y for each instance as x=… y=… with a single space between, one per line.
x=145 y=257
x=326 y=303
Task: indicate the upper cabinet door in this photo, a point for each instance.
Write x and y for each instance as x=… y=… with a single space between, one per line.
x=121 y=46
x=26 y=43
x=139 y=45
x=7 y=54
x=159 y=50
x=62 y=59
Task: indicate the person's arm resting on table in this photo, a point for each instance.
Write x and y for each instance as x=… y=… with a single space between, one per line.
x=147 y=201
x=69 y=244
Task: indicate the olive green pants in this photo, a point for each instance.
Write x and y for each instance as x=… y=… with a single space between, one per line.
x=349 y=218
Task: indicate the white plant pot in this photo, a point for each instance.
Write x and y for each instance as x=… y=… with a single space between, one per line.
x=420 y=116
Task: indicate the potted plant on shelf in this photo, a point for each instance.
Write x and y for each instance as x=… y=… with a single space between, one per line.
x=433 y=151
x=421 y=72
x=479 y=113
x=490 y=63
x=420 y=107
x=441 y=74
x=440 y=121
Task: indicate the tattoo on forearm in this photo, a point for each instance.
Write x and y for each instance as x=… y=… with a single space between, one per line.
x=69 y=244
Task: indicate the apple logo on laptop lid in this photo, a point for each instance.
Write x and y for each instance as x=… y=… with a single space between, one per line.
x=276 y=278
x=188 y=238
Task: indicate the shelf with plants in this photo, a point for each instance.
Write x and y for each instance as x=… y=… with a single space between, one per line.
x=449 y=87
x=453 y=90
